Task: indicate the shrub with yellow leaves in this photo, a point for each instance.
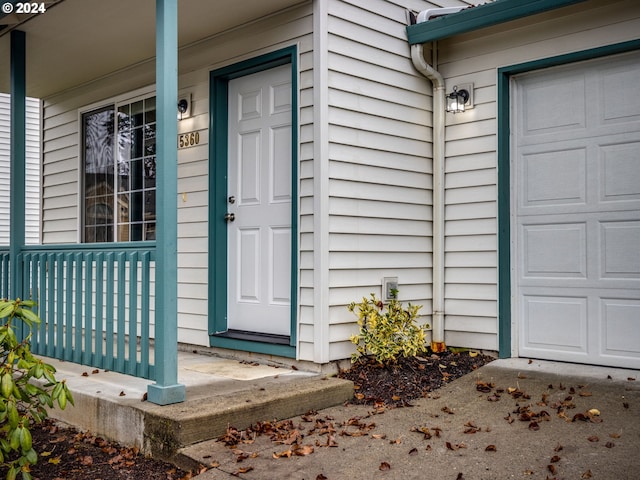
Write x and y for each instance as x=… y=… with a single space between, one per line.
x=387 y=335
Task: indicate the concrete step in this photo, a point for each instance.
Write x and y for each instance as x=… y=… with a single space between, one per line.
x=243 y=409
x=220 y=393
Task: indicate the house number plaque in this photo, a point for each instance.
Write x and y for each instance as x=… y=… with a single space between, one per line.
x=190 y=139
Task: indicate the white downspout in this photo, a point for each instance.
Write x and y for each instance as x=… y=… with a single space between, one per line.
x=417 y=56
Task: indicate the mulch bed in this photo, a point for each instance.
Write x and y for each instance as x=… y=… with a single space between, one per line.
x=410 y=378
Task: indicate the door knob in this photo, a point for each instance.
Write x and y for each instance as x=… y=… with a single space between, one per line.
x=229 y=217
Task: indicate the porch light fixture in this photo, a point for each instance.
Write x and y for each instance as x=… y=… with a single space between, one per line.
x=457 y=99
x=183 y=107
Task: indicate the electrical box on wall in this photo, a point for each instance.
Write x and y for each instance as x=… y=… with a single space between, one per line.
x=390 y=288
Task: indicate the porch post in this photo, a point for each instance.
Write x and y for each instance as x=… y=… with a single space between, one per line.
x=17 y=159
x=166 y=390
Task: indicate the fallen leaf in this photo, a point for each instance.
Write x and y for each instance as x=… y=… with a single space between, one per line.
x=593 y=438
x=586 y=474
x=303 y=450
x=631 y=379
x=528 y=472
x=55 y=460
x=95 y=371
x=490 y=448
x=522 y=376
x=594 y=411
x=552 y=469
x=585 y=394
x=446 y=409
x=530 y=361
x=534 y=426
x=558 y=448
x=122 y=394
x=555 y=459
x=384 y=466
x=321 y=477
x=379 y=436
x=460 y=477
x=85 y=374
x=614 y=435
x=484 y=386
x=413 y=451
x=242 y=470
x=610 y=445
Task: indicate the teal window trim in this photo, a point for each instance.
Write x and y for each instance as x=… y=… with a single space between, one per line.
x=218 y=153
x=478 y=17
x=504 y=165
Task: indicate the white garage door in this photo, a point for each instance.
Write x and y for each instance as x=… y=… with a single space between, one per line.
x=576 y=212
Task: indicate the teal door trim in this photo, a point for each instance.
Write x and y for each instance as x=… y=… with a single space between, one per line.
x=218 y=159
x=504 y=175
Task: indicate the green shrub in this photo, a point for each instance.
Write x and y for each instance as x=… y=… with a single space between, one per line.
x=387 y=335
x=22 y=402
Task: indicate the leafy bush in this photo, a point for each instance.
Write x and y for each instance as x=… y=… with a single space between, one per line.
x=22 y=402
x=387 y=335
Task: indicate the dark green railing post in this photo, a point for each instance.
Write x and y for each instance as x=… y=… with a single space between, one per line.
x=18 y=159
x=166 y=390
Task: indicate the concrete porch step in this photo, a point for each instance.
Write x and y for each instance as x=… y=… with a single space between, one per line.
x=220 y=392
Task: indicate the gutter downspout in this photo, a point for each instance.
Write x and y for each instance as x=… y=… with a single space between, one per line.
x=437 y=299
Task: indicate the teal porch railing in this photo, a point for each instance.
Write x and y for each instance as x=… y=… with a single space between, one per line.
x=95 y=303
x=4 y=272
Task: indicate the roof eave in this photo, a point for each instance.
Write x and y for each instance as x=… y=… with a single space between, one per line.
x=474 y=18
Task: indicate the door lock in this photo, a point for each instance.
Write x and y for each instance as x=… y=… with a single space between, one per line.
x=232 y=199
x=229 y=217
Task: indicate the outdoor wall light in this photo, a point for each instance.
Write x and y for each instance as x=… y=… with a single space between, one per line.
x=457 y=99
x=183 y=108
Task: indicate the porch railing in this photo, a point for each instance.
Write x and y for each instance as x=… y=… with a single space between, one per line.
x=96 y=303
x=4 y=272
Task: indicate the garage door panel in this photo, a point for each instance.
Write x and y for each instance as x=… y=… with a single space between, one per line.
x=557 y=104
x=554 y=323
x=621 y=103
x=620 y=318
x=620 y=242
x=554 y=177
x=576 y=218
x=555 y=250
x=620 y=172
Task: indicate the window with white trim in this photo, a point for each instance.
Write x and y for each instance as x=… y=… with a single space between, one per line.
x=119 y=184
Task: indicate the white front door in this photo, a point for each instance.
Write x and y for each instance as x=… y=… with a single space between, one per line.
x=576 y=212
x=259 y=198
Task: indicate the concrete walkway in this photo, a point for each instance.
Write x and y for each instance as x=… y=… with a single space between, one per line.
x=520 y=427
x=219 y=392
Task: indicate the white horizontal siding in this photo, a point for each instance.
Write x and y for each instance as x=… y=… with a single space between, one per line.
x=379 y=162
x=32 y=173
